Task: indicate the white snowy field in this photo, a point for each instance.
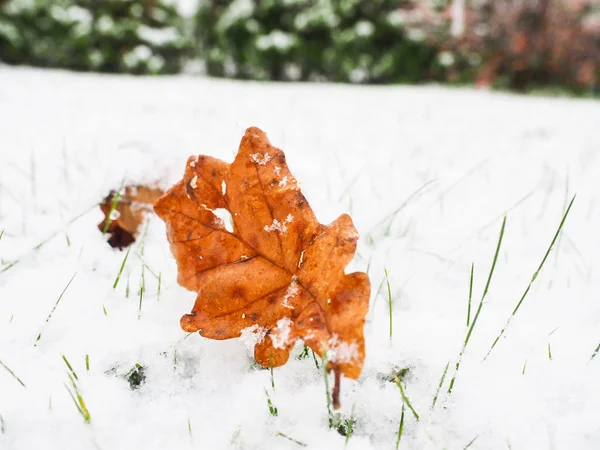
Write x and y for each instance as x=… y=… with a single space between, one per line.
x=470 y=157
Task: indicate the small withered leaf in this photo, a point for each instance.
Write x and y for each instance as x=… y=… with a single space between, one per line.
x=279 y=271
x=124 y=213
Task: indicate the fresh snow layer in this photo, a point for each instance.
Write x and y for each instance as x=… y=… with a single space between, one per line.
x=427 y=174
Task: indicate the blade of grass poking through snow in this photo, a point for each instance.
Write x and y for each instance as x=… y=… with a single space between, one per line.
x=533 y=278
x=70 y=367
x=279 y=433
x=272 y=408
x=327 y=394
x=142 y=288
x=350 y=426
x=594 y=354
x=189 y=427
x=524 y=368
x=113 y=206
x=485 y=291
x=159 y=283
x=13 y=374
x=439 y=388
x=78 y=399
x=405 y=398
x=470 y=294
x=389 y=291
x=470 y=443
x=121 y=269
x=87 y=363
x=54 y=308
x=400 y=428
x=549 y=352
x=271 y=370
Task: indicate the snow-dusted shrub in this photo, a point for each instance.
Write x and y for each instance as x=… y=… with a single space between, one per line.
x=371 y=41
x=100 y=35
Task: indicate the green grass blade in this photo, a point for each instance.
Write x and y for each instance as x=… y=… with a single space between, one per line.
x=295 y=441
x=13 y=374
x=389 y=291
x=70 y=367
x=113 y=206
x=121 y=269
x=55 y=305
x=400 y=428
x=470 y=294
x=595 y=353
x=549 y=352
x=485 y=291
x=405 y=398
x=439 y=388
x=87 y=363
x=470 y=443
x=533 y=278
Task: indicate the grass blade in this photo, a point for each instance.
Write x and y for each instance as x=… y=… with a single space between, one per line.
x=533 y=278
x=400 y=428
x=471 y=443
x=113 y=206
x=595 y=353
x=13 y=374
x=70 y=367
x=485 y=291
x=121 y=269
x=54 y=308
x=405 y=398
x=279 y=433
x=440 y=385
x=389 y=290
x=470 y=294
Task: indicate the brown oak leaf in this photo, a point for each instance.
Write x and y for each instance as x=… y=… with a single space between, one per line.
x=278 y=273
x=125 y=212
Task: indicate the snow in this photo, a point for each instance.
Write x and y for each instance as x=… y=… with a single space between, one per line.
x=259 y=159
x=280 y=226
x=280 y=335
x=457 y=159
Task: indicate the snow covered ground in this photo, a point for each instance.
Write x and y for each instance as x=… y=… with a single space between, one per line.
x=67 y=139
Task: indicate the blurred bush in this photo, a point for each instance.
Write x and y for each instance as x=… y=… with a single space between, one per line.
x=100 y=35
x=527 y=43
x=338 y=40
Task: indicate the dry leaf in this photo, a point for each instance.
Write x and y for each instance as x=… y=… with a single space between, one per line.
x=126 y=211
x=279 y=273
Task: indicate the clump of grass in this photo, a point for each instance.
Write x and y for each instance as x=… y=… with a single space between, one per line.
x=304 y=355
x=12 y=373
x=54 y=308
x=485 y=291
x=75 y=393
x=295 y=441
x=533 y=278
x=136 y=376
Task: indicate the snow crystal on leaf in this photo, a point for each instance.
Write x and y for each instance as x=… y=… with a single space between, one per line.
x=281 y=334
x=291 y=291
x=259 y=159
x=252 y=335
x=279 y=226
x=342 y=351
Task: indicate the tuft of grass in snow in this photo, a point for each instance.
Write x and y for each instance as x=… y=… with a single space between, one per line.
x=136 y=376
x=350 y=426
x=485 y=291
x=12 y=373
x=295 y=441
x=389 y=291
x=75 y=393
x=54 y=308
x=405 y=398
x=400 y=428
x=533 y=278
x=121 y=269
